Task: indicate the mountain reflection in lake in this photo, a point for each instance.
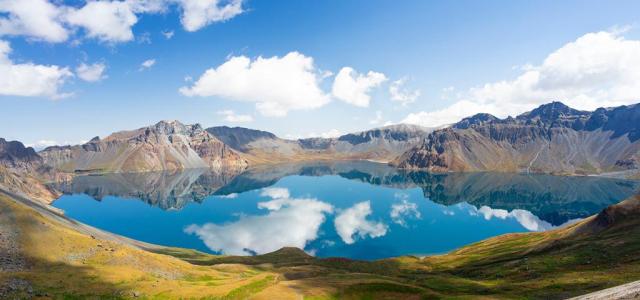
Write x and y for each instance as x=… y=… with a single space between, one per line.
x=360 y=210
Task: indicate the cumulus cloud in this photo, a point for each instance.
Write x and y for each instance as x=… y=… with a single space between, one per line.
x=199 y=13
x=353 y=88
x=30 y=79
x=596 y=70
x=401 y=94
x=231 y=116
x=276 y=85
x=108 y=21
x=37 y=19
x=449 y=114
x=403 y=210
x=353 y=221
x=91 y=73
x=289 y=223
x=147 y=64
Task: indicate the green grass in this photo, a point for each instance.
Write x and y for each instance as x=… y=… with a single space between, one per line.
x=250 y=289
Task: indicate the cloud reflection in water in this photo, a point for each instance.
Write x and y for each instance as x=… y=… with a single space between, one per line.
x=290 y=222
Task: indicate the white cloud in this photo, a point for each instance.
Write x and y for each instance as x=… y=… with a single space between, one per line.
x=149 y=6
x=36 y=19
x=401 y=211
x=199 y=13
x=230 y=196
x=401 y=94
x=447 y=115
x=352 y=221
x=168 y=34
x=289 y=223
x=276 y=85
x=91 y=73
x=231 y=116
x=144 y=38
x=331 y=134
x=275 y=192
x=378 y=119
x=29 y=79
x=354 y=88
x=108 y=21
x=147 y=64
x=596 y=70
x=528 y=220
x=41 y=144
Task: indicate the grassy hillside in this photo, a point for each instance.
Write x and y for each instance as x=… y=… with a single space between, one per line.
x=53 y=259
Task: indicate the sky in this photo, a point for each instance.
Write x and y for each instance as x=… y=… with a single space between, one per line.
x=72 y=70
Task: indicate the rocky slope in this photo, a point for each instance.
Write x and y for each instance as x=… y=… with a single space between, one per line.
x=22 y=170
x=167 y=145
x=382 y=144
x=552 y=138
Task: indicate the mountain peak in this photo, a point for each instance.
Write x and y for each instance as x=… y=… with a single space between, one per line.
x=552 y=111
x=475 y=120
x=13 y=151
x=175 y=127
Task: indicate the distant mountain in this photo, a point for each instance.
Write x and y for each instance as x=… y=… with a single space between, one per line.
x=22 y=170
x=382 y=144
x=167 y=145
x=552 y=138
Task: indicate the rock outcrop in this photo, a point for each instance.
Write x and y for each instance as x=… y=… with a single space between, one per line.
x=552 y=138
x=167 y=145
x=23 y=171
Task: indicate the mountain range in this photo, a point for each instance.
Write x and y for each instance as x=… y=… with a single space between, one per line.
x=552 y=138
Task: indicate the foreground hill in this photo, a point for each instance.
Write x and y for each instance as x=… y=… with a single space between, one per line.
x=552 y=138
x=49 y=256
x=383 y=144
x=167 y=145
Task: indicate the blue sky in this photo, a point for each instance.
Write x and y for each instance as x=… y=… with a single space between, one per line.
x=447 y=59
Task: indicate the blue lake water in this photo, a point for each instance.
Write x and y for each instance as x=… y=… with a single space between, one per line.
x=359 y=210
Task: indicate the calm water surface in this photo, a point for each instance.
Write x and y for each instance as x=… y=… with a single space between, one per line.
x=359 y=210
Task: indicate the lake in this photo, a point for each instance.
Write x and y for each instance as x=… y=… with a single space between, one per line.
x=360 y=210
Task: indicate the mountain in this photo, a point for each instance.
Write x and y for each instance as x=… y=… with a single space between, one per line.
x=383 y=144
x=552 y=138
x=22 y=170
x=167 y=145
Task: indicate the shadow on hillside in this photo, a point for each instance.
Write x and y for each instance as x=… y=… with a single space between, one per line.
x=59 y=281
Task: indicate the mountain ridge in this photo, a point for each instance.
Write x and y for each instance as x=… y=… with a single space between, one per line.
x=167 y=145
x=552 y=138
